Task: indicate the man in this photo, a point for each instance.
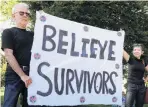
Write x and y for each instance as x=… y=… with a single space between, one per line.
x=16 y=44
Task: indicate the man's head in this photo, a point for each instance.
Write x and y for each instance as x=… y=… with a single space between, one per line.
x=21 y=14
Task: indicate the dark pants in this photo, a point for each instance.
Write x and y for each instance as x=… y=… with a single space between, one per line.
x=14 y=86
x=12 y=93
x=135 y=93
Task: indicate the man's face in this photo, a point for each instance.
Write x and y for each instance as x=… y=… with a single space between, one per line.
x=21 y=16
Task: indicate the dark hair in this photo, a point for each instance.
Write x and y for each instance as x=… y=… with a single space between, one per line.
x=142 y=48
x=138 y=45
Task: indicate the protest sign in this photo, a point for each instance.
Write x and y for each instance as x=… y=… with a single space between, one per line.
x=74 y=63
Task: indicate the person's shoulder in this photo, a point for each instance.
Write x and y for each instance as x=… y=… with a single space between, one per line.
x=8 y=31
x=30 y=32
x=131 y=59
x=12 y=29
x=145 y=60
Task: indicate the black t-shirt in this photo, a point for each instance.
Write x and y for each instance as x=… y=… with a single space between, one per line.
x=20 y=41
x=136 y=69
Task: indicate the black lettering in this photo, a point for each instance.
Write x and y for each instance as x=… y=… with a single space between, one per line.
x=73 y=53
x=85 y=41
x=48 y=38
x=90 y=82
x=102 y=49
x=69 y=80
x=92 y=49
x=59 y=92
x=112 y=82
x=111 y=52
x=105 y=80
x=97 y=85
x=46 y=78
x=61 y=42
x=84 y=85
x=79 y=81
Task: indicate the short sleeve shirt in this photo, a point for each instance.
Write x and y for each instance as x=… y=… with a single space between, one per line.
x=20 y=41
x=136 y=69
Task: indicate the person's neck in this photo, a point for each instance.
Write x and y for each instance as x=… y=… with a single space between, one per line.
x=21 y=27
x=138 y=57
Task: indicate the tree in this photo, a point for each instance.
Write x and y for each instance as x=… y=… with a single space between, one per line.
x=130 y=16
x=5 y=9
x=126 y=15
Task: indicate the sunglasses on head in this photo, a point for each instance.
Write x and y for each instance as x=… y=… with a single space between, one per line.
x=22 y=13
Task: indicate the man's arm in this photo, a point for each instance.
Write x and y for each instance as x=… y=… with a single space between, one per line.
x=15 y=66
x=125 y=55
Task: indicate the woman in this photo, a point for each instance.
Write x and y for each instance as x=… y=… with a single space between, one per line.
x=136 y=69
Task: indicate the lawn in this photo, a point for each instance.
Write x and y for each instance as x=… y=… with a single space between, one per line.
x=2 y=99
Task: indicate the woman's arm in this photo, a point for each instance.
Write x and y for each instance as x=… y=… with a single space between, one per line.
x=125 y=55
x=146 y=68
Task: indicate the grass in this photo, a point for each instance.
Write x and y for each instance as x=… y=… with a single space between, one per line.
x=2 y=100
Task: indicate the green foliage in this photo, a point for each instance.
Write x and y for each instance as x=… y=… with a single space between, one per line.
x=127 y=15
x=6 y=8
x=2 y=70
x=130 y=16
x=2 y=79
x=5 y=14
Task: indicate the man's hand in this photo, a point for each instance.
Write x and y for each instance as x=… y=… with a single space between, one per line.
x=27 y=80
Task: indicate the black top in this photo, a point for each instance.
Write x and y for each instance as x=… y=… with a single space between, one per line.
x=136 y=69
x=20 y=41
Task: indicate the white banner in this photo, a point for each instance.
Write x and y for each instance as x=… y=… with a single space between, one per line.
x=74 y=63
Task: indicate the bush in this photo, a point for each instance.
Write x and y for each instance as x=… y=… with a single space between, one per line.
x=2 y=70
x=2 y=79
